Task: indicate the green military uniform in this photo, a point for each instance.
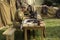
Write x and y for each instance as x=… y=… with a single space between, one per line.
x=23 y=17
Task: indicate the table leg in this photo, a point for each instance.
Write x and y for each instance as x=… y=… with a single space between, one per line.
x=25 y=34
x=42 y=33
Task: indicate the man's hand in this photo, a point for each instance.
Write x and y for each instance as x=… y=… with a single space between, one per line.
x=42 y=23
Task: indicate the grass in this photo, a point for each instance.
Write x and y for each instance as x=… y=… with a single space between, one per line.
x=52 y=30
x=1 y=36
x=52 y=22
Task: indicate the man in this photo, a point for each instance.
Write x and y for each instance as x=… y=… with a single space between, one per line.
x=29 y=13
x=36 y=16
x=44 y=9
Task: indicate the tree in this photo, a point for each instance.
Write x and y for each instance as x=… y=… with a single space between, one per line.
x=52 y=2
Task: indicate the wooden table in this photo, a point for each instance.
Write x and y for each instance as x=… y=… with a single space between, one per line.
x=35 y=28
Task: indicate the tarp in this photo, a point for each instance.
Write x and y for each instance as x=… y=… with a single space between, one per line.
x=1 y=24
x=12 y=8
x=5 y=12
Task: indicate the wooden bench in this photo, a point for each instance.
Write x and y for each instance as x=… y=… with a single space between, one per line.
x=9 y=33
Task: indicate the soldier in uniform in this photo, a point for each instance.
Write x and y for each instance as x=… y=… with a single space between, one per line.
x=29 y=13
x=44 y=9
x=34 y=15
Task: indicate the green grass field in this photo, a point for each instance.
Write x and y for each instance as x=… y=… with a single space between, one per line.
x=52 y=31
